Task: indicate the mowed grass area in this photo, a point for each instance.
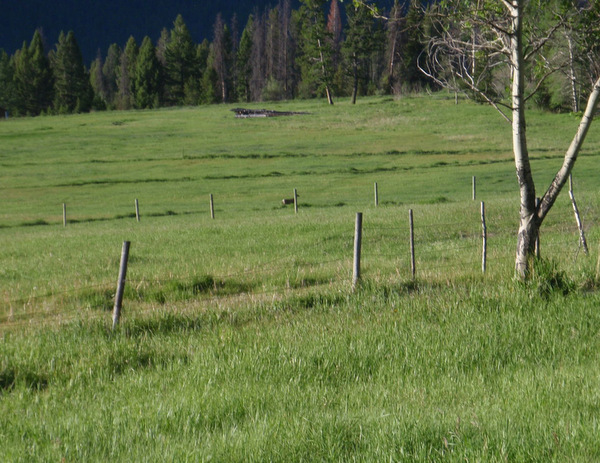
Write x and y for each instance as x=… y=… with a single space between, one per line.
x=241 y=339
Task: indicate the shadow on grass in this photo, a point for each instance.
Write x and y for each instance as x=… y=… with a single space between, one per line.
x=11 y=377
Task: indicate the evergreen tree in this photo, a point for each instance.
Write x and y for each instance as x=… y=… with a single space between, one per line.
x=223 y=58
x=244 y=66
x=316 y=50
x=7 y=91
x=393 y=47
x=258 y=57
x=72 y=89
x=161 y=46
x=287 y=49
x=334 y=27
x=98 y=83
x=33 y=77
x=147 y=81
x=180 y=62
x=210 y=82
x=359 y=44
x=414 y=45
x=110 y=70
x=125 y=98
x=193 y=87
x=21 y=75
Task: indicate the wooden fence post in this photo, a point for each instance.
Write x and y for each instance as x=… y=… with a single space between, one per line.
x=376 y=195
x=412 y=243
x=484 y=233
x=598 y=264
x=295 y=201
x=537 y=240
x=137 y=210
x=212 y=207
x=357 y=249
x=121 y=284
x=582 y=240
x=474 y=188
x=64 y=214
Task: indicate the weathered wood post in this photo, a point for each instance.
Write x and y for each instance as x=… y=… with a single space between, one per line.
x=295 y=201
x=357 y=249
x=121 y=284
x=212 y=207
x=137 y=210
x=484 y=236
x=376 y=195
x=582 y=240
x=64 y=214
x=537 y=240
x=474 y=188
x=412 y=242
x=598 y=264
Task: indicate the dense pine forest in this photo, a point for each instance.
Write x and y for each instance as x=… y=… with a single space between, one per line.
x=324 y=48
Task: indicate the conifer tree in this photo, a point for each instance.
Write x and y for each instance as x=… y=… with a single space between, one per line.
x=147 y=76
x=98 y=83
x=193 y=88
x=359 y=44
x=258 y=59
x=72 y=89
x=334 y=27
x=393 y=47
x=223 y=58
x=180 y=62
x=33 y=77
x=287 y=49
x=316 y=51
x=413 y=46
x=110 y=72
x=244 y=56
x=7 y=92
x=210 y=82
x=125 y=98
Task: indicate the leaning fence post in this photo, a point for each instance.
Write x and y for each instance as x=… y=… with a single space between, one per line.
x=582 y=240
x=537 y=240
x=137 y=210
x=121 y=283
x=295 y=201
x=64 y=214
x=484 y=234
x=412 y=242
x=212 y=207
x=357 y=249
x=376 y=195
x=598 y=264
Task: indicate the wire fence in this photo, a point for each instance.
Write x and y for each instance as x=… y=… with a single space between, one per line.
x=442 y=250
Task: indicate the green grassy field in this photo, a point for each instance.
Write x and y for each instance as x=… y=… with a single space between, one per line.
x=241 y=339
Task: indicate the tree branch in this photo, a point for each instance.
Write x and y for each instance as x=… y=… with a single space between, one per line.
x=571 y=155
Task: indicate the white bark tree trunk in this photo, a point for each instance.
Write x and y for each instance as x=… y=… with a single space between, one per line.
x=529 y=223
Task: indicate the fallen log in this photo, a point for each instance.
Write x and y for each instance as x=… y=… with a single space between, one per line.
x=245 y=113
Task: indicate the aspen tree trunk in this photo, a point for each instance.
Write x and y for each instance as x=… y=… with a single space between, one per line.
x=529 y=223
x=531 y=217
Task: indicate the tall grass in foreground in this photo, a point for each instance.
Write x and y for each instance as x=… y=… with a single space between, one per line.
x=390 y=373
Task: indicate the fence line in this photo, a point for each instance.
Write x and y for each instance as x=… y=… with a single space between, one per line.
x=427 y=248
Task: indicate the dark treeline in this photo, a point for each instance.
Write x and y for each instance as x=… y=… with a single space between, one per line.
x=322 y=48
x=325 y=48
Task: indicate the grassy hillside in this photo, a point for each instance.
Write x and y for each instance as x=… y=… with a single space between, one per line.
x=241 y=339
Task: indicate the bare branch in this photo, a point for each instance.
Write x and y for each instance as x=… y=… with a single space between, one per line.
x=571 y=155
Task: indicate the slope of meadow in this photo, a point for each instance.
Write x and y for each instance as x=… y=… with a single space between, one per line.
x=241 y=339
